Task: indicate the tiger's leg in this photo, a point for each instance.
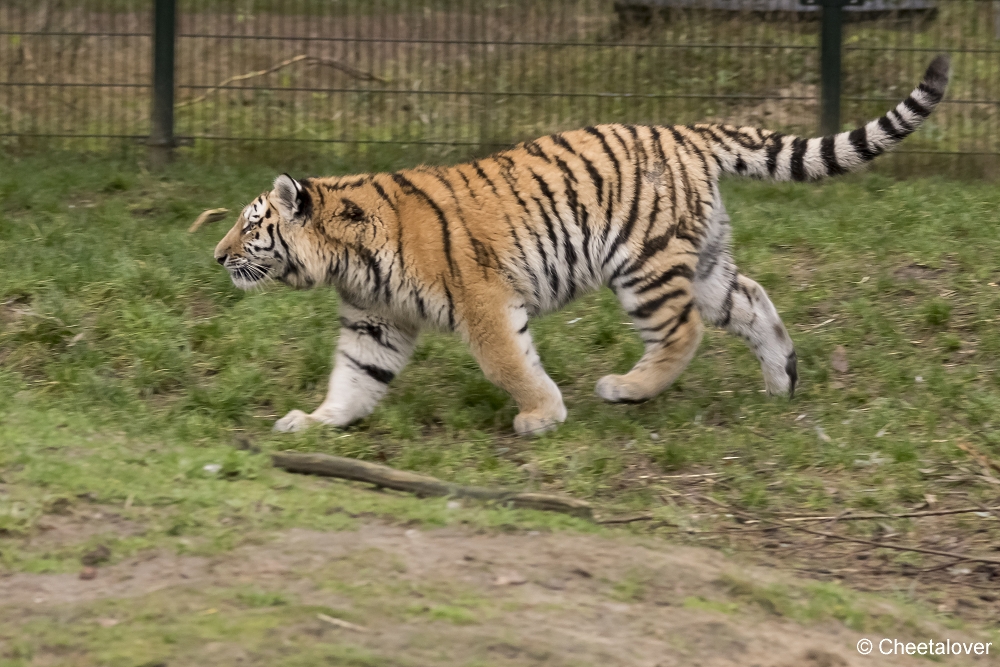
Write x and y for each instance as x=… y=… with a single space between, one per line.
x=733 y=301
x=370 y=352
x=500 y=341
x=670 y=327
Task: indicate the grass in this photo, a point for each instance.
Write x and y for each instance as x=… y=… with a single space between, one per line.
x=128 y=363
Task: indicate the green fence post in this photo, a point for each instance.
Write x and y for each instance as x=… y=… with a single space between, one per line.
x=831 y=37
x=161 y=137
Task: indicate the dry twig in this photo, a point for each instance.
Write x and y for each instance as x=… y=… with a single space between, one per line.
x=611 y=521
x=978 y=456
x=905 y=515
x=883 y=545
x=317 y=60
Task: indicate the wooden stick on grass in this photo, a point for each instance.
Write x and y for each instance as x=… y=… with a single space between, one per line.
x=422 y=485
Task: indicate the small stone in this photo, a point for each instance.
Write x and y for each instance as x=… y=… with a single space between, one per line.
x=453 y=505
x=654 y=436
x=88 y=573
x=108 y=622
x=838 y=360
x=212 y=468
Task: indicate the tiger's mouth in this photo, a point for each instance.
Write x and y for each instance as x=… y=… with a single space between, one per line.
x=246 y=274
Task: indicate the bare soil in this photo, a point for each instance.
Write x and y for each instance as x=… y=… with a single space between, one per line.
x=550 y=598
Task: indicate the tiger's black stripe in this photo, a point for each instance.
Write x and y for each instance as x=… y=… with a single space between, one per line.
x=374 y=372
x=407 y=185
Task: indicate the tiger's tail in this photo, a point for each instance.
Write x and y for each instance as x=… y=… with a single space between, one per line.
x=780 y=157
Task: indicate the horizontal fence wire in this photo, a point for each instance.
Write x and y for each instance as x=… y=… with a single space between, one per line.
x=458 y=76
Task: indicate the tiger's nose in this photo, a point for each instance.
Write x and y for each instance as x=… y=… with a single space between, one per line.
x=221 y=259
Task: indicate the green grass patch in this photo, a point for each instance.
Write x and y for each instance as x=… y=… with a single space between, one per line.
x=130 y=367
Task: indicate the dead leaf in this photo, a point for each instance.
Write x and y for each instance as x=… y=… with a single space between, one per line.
x=838 y=360
x=88 y=573
x=509 y=579
x=108 y=622
x=211 y=215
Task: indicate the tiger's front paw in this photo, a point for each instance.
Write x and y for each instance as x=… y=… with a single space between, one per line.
x=532 y=425
x=537 y=422
x=782 y=379
x=296 y=420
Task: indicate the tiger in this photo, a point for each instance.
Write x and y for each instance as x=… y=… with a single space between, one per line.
x=482 y=247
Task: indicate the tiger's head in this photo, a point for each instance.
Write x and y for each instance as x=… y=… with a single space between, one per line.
x=257 y=247
x=304 y=233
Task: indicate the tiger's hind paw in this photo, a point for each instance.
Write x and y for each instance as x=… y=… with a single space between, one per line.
x=617 y=389
x=294 y=421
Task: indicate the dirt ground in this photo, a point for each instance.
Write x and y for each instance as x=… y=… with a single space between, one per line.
x=535 y=598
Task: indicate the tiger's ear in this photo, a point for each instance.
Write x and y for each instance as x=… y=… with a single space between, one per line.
x=293 y=202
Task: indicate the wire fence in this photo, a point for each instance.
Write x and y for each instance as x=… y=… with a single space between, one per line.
x=454 y=77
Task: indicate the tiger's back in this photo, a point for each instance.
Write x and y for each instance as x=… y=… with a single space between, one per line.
x=481 y=247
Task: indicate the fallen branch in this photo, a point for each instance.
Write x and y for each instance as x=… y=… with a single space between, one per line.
x=211 y=215
x=422 y=485
x=329 y=62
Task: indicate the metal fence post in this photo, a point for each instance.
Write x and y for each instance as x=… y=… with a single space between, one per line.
x=831 y=37
x=161 y=138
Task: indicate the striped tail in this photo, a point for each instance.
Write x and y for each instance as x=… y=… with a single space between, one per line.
x=772 y=155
